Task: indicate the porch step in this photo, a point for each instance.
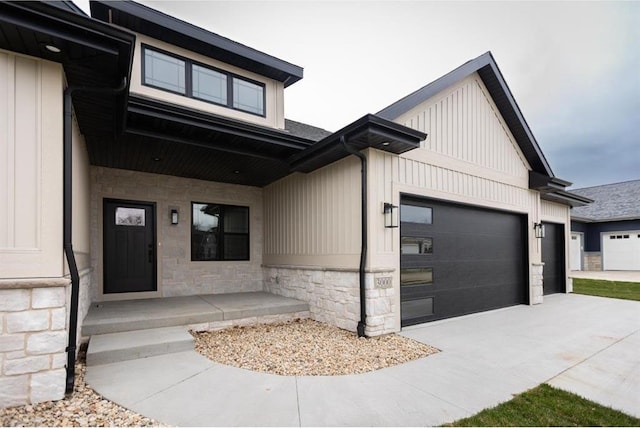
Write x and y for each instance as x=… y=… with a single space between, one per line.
x=130 y=345
x=127 y=315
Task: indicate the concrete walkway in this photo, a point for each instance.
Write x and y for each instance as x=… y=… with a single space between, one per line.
x=580 y=343
x=609 y=275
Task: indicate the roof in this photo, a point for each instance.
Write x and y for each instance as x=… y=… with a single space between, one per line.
x=153 y=23
x=612 y=202
x=488 y=70
x=305 y=131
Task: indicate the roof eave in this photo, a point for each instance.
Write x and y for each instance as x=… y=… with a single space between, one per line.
x=191 y=37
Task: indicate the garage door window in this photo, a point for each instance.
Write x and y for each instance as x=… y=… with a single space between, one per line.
x=416 y=276
x=416 y=245
x=415 y=214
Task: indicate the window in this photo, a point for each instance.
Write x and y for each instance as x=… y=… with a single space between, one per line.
x=414 y=245
x=219 y=232
x=416 y=276
x=248 y=96
x=209 y=85
x=415 y=214
x=164 y=71
x=172 y=73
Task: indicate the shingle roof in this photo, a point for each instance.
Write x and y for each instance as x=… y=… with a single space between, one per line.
x=617 y=201
x=303 y=130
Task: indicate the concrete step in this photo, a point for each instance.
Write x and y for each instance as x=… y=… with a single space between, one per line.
x=140 y=314
x=130 y=345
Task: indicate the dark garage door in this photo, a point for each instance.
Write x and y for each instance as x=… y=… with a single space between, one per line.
x=457 y=259
x=553 y=273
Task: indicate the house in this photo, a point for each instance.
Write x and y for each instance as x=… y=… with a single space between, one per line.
x=605 y=235
x=144 y=157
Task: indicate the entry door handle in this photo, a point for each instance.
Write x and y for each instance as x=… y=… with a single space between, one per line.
x=150 y=253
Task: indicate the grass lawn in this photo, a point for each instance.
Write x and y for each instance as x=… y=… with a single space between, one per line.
x=548 y=406
x=602 y=288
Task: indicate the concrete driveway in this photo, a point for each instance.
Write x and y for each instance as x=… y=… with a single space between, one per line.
x=584 y=344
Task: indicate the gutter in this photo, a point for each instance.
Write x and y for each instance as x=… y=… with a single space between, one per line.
x=67 y=223
x=363 y=249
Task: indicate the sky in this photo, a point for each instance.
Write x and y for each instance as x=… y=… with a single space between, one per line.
x=573 y=67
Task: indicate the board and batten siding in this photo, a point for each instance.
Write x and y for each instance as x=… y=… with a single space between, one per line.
x=314 y=219
x=30 y=167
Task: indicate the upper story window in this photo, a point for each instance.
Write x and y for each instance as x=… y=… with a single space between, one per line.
x=183 y=76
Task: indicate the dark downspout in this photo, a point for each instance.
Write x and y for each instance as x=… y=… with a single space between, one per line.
x=67 y=224
x=363 y=251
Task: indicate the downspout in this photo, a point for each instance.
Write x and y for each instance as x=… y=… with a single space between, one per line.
x=363 y=250
x=67 y=223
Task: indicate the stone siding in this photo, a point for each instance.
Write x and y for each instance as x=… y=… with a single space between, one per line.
x=536 y=290
x=33 y=340
x=593 y=261
x=177 y=274
x=334 y=295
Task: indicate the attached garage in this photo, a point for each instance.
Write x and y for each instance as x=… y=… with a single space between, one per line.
x=459 y=259
x=553 y=278
x=621 y=250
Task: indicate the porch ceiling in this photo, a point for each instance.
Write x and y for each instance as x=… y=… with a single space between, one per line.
x=167 y=139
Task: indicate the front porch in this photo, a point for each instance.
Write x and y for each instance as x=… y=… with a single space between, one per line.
x=197 y=312
x=130 y=329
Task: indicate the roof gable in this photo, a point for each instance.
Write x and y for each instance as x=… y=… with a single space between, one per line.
x=493 y=80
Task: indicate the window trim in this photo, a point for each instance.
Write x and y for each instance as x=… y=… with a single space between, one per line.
x=221 y=234
x=188 y=69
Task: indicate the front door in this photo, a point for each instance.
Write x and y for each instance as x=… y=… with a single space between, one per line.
x=129 y=246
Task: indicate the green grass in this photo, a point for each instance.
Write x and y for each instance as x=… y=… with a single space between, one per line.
x=602 y=288
x=548 y=406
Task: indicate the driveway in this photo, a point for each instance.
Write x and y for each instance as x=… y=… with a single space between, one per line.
x=581 y=343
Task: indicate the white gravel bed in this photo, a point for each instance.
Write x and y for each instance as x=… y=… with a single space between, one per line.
x=84 y=408
x=306 y=348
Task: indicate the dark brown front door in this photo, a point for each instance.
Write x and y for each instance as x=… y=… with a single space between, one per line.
x=129 y=246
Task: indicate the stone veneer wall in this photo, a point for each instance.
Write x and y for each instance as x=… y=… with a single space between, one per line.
x=33 y=339
x=537 y=290
x=334 y=295
x=593 y=261
x=177 y=274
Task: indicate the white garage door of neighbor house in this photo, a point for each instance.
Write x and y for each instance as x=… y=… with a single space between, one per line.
x=575 y=259
x=621 y=250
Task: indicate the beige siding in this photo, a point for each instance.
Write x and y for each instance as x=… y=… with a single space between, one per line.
x=464 y=124
x=314 y=219
x=81 y=199
x=30 y=167
x=274 y=90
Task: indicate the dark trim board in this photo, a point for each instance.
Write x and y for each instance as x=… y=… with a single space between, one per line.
x=479 y=261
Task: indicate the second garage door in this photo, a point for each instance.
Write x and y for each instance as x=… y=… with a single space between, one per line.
x=458 y=259
x=621 y=250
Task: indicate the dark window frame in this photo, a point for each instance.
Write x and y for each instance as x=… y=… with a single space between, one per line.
x=188 y=69
x=221 y=234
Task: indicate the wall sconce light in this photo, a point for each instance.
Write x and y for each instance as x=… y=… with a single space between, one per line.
x=390 y=212
x=174 y=216
x=539 y=230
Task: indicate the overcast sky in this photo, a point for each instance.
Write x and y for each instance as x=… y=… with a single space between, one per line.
x=573 y=67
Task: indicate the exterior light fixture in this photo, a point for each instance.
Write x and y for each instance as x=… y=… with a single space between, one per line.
x=539 y=230
x=52 y=48
x=390 y=212
x=174 y=216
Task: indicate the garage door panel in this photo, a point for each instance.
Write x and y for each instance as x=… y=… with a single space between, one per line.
x=621 y=250
x=478 y=261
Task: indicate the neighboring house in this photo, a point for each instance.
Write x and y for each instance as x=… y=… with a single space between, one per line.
x=605 y=235
x=142 y=156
